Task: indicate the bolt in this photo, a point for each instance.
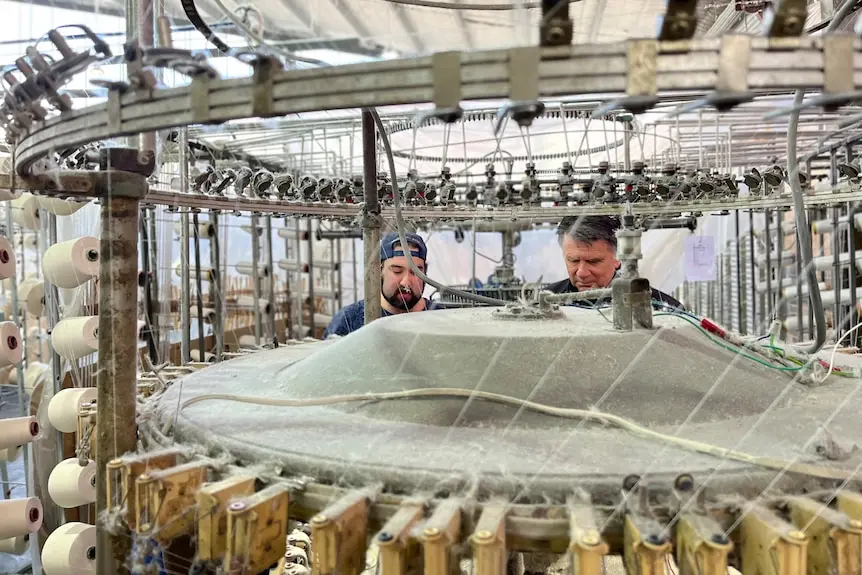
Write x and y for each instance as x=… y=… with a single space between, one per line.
x=720 y=539
x=856 y=524
x=237 y=506
x=654 y=539
x=431 y=532
x=384 y=536
x=483 y=535
x=797 y=534
x=684 y=482
x=319 y=519
x=590 y=538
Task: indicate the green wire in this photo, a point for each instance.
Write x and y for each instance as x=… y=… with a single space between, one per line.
x=727 y=347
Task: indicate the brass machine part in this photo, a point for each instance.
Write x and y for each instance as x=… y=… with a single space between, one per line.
x=489 y=540
x=338 y=536
x=835 y=539
x=851 y=504
x=165 y=500
x=212 y=504
x=124 y=471
x=441 y=539
x=587 y=549
x=701 y=545
x=772 y=546
x=257 y=530
x=645 y=548
x=399 y=550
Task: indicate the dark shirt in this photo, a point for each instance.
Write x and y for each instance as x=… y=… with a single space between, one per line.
x=352 y=317
x=565 y=286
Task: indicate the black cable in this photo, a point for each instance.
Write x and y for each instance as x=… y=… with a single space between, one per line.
x=195 y=18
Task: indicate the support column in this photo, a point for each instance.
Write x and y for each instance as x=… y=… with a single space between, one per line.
x=116 y=376
x=371 y=225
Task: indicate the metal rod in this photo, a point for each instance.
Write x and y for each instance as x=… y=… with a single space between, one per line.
x=311 y=303
x=753 y=271
x=300 y=303
x=339 y=276
x=117 y=364
x=255 y=278
x=155 y=306
x=185 y=281
x=199 y=287
x=799 y=298
x=770 y=301
x=216 y=287
x=740 y=323
x=270 y=278
x=146 y=281
x=371 y=225
x=836 y=271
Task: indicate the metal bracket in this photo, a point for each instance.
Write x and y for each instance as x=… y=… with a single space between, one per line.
x=199 y=92
x=679 y=21
x=586 y=547
x=264 y=69
x=770 y=545
x=641 y=80
x=489 y=540
x=398 y=548
x=446 y=75
x=524 y=105
x=338 y=536
x=556 y=27
x=785 y=18
x=645 y=545
x=122 y=473
x=702 y=547
x=835 y=538
x=441 y=539
x=257 y=530
x=163 y=499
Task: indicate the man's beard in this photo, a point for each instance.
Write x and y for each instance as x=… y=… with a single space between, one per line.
x=405 y=301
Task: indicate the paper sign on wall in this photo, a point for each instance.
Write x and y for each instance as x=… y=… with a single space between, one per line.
x=699 y=258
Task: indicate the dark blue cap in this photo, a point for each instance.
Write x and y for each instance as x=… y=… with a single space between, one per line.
x=388 y=250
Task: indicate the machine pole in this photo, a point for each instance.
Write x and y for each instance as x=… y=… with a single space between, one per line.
x=371 y=224
x=117 y=365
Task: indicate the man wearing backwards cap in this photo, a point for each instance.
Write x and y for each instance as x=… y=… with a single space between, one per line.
x=400 y=290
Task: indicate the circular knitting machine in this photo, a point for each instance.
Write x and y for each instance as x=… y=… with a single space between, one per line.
x=521 y=427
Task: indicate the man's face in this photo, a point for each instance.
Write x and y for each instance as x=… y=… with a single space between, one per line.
x=590 y=265
x=400 y=287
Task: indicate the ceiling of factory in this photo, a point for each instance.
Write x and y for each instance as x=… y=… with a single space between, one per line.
x=408 y=27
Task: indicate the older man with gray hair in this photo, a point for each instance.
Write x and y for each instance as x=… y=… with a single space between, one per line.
x=589 y=245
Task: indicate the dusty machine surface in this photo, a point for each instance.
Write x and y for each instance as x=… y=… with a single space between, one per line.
x=672 y=380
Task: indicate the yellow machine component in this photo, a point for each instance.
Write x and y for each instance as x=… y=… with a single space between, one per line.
x=701 y=545
x=646 y=549
x=212 y=504
x=851 y=504
x=835 y=540
x=123 y=472
x=586 y=547
x=165 y=500
x=257 y=531
x=489 y=540
x=338 y=536
x=770 y=545
x=398 y=547
x=441 y=539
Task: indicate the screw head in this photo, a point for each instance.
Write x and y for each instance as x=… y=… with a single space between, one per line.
x=384 y=536
x=797 y=534
x=720 y=539
x=237 y=506
x=484 y=534
x=684 y=482
x=318 y=519
x=431 y=532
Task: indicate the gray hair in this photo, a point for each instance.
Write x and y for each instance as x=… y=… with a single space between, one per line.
x=589 y=229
